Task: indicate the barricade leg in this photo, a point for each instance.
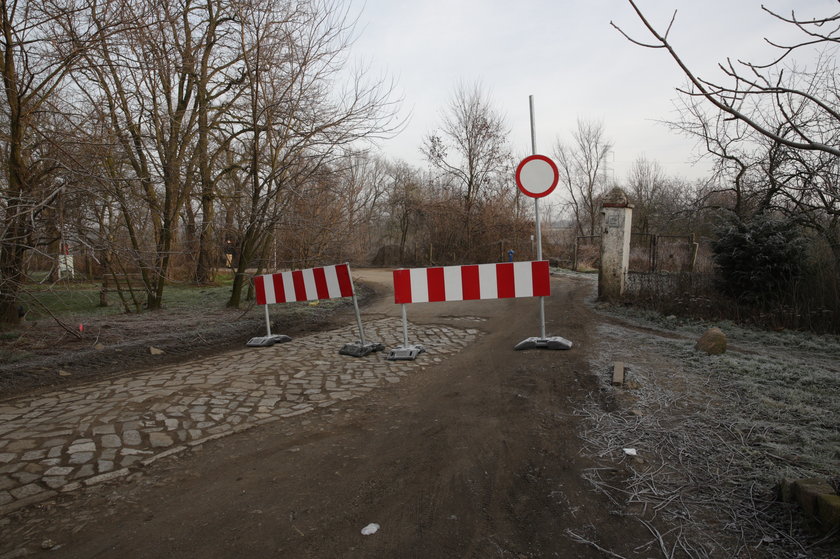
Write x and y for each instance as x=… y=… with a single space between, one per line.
x=405 y=352
x=268 y=339
x=543 y=341
x=362 y=347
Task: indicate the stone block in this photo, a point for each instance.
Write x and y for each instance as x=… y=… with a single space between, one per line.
x=81 y=458
x=158 y=440
x=55 y=482
x=828 y=511
x=33 y=455
x=111 y=441
x=59 y=471
x=618 y=373
x=26 y=491
x=807 y=491
x=88 y=446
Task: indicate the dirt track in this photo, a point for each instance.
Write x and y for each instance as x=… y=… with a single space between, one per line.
x=474 y=457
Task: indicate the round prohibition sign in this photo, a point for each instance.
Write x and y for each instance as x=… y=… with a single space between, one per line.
x=537 y=176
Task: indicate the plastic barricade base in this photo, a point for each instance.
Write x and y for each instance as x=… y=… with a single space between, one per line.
x=553 y=342
x=359 y=349
x=268 y=341
x=405 y=353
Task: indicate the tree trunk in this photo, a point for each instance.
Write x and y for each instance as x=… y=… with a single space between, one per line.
x=204 y=269
x=204 y=257
x=11 y=265
x=246 y=253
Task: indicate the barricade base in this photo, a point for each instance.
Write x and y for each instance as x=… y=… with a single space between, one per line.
x=553 y=342
x=405 y=353
x=267 y=341
x=358 y=349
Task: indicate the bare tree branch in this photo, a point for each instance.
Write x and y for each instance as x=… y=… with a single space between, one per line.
x=726 y=99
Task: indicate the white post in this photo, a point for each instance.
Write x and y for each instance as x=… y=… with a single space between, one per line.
x=267 y=321
x=359 y=319
x=616 y=218
x=405 y=326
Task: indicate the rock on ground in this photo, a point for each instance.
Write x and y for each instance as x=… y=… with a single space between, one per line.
x=713 y=342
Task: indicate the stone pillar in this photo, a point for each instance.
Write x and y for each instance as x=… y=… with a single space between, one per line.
x=616 y=219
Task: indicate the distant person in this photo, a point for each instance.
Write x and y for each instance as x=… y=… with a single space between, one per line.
x=511 y=252
x=229 y=254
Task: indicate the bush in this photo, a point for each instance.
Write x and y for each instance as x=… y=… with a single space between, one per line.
x=759 y=260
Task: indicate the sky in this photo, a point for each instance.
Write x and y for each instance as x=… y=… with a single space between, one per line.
x=566 y=55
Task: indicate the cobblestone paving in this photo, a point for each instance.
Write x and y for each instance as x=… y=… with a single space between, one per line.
x=68 y=438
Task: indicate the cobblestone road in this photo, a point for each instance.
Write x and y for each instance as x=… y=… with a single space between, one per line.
x=60 y=441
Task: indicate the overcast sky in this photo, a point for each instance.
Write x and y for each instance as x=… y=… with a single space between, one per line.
x=565 y=54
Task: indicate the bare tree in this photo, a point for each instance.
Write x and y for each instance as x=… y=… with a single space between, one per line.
x=145 y=78
x=646 y=184
x=217 y=88
x=299 y=115
x=583 y=172
x=36 y=55
x=361 y=188
x=774 y=127
x=470 y=149
x=404 y=203
x=793 y=108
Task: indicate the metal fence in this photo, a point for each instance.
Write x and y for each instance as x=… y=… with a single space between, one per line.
x=663 y=253
x=651 y=253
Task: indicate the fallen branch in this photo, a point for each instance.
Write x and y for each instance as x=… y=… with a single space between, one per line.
x=44 y=308
x=580 y=539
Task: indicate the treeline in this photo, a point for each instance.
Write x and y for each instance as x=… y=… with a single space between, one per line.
x=148 y=135
x=165 y=140
x=162 y=140
x=772 y=130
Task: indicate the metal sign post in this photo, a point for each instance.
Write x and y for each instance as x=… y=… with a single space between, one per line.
x=537 y=176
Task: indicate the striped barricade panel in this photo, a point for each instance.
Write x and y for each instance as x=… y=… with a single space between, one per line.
x=328 y=282
x=472 y=282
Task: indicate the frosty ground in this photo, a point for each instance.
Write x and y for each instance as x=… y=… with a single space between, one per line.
x=489 y=453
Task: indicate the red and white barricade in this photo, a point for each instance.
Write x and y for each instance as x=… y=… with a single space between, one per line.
x=467 y=283
x=312 y=284
x=472 y=282
x=328 y=282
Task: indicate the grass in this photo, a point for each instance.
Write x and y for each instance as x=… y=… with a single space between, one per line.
x=73 y=303
x=737 y=334
x=68 y=299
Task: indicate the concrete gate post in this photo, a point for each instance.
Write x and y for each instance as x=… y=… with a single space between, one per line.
x=616 y=219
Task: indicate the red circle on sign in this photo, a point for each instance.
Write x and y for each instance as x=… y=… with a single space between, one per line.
x=537 y=176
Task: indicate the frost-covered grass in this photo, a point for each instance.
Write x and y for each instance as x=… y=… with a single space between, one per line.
x=736 y=334
x=717 y=433
x=783 y=385
x=789 y=400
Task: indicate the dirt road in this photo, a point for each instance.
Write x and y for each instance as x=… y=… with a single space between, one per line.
x=475 y=456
